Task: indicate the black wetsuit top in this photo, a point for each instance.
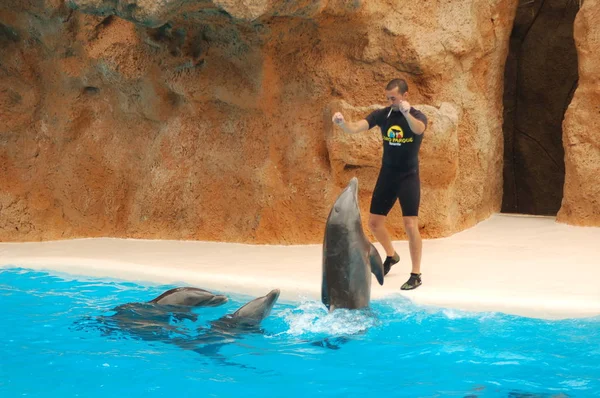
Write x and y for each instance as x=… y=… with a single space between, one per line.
x=400 y=144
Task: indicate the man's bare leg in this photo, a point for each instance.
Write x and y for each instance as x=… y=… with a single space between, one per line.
x=377 y=227
x=415 y=245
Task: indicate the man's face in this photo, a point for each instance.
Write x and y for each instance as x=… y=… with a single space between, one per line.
x=394 y=97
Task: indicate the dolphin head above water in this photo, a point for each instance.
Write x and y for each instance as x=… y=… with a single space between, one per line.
x=345 y=211
x=258 y=309
x=251 y=314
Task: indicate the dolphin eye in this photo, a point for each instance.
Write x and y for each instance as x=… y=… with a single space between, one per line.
x=337 y=209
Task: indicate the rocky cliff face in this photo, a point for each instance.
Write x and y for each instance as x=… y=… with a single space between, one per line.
x=540 y=79
x=581 y=139
x=210 y=120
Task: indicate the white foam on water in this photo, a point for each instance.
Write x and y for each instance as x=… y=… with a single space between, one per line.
x=406 y=308
x=312 y=317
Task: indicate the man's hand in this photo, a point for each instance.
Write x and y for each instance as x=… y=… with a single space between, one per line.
x=338 y=118
x=404 y=107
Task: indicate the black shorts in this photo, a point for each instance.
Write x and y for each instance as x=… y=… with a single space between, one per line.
x=391 y=185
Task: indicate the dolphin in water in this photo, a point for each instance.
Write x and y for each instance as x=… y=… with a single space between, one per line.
x=348 y=256
x=153 y=321
x=249 y=316
x=173 y=304
x=246 y=320
x=230 y=328
x=190 y=297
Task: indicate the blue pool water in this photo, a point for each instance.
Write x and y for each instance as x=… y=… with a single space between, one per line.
x=52 y=344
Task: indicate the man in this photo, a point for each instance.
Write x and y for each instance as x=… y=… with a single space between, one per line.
x=402 y=128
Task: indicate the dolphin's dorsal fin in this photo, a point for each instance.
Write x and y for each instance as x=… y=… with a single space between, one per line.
x=376 y=263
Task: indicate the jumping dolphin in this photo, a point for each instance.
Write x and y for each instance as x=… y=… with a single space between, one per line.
x=348 y=257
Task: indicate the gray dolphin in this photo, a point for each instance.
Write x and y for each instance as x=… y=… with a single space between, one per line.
x=189 y=296
x=230 y=328
x=153 y=322
x=249 y=315
x=348 y=257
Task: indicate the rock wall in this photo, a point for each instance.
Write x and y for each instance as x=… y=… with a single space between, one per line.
x=581 y=200
x=211 y=119
x=540 y=79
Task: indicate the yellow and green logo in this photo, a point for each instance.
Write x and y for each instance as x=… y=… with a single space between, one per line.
x=395 y=136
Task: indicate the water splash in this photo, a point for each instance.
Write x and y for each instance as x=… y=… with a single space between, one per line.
x=312 y=318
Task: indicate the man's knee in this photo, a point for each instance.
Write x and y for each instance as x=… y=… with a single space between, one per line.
x=411 y=225
x=376 y=222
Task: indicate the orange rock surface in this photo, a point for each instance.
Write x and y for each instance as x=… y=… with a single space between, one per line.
x=211 y=120
x=581 y=140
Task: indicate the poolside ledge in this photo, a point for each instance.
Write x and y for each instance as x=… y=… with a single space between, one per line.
x=522 y=265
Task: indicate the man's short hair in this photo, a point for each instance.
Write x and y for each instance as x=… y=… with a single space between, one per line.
x=398 y=83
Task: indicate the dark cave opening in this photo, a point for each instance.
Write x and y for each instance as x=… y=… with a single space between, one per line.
x=539 y=82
